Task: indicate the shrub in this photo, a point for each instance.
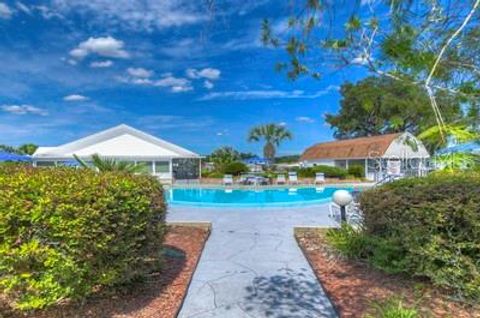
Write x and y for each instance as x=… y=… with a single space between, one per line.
x=435 y=224
x=212 y=174
x=329 y=171
x=354 y=243
x=235 y=168
x=393 y=308
x=64 y=232
x=357 y=171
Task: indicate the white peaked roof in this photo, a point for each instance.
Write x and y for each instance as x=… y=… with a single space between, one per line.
x=119 y=142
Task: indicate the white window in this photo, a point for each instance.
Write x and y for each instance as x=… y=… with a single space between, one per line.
x=162 y=167
x=147 y=165
x=45 y=163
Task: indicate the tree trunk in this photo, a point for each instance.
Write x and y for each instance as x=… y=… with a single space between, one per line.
x=269 y=151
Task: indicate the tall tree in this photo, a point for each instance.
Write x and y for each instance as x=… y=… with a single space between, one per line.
x=429 y=44
x=27 y=149
x=378 y=105
x=273 y=136
x=9 y=149
x=223 y=156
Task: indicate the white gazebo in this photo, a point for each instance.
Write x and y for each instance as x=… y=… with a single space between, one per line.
x=124 y=143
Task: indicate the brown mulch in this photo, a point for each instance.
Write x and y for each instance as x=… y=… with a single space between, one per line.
x=160 y=296
x=354 y=287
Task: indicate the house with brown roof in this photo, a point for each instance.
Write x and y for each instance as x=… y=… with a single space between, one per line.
x=394 y=154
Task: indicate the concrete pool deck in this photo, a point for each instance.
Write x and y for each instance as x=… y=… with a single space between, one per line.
x=252 y=266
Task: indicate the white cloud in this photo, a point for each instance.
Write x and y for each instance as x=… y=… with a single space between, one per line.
x=103 y=46
x=22 y=7
x=176 y=84
x=282 y=123
x=265 y=94
x=208 y=73
x=101 y=64
x=139 y=72
x=5 y=11
x=167 y=80
x=165 y=122
x=208 y=84
x=361 y=60
x=75 y=98
x=145 y=15
x=23 y=110
x=305 y=119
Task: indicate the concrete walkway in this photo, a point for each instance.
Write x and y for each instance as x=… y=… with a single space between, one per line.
x=252 y=266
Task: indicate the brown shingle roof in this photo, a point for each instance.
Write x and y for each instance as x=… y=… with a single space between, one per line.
x=350 y=148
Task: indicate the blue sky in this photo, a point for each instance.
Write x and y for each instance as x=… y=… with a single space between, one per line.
x=193 y=75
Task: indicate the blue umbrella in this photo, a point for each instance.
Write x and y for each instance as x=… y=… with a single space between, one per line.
x=469 y=147
x=7 y=156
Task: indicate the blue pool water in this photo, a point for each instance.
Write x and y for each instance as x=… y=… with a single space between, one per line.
x=250 y=197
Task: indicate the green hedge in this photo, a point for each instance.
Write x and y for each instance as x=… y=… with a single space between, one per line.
x=65 y=233
x=428 y=227
x=357 y=171
x=329 y=171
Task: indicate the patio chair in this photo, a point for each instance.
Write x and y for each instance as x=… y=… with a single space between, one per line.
x=281 y=179
x=319 y=178
x=292 y=178
x=228 y=179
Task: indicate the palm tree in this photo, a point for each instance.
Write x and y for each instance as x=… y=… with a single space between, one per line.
x=223 y=156
x=104 y=164
x=273 y=135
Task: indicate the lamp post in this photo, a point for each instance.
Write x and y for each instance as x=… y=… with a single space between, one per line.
x=342 y=198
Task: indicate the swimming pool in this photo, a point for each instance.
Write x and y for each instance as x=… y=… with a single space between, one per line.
x=250 y=197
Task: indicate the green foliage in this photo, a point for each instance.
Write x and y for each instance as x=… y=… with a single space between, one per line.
x=404 y=47
x=393 y=308
x=235 y=168
x=382 y=253
x=287 y=159
x=357 y=171
x=273 y=136
x=64 y=233
x=329 y=171
x=434 y=225
x=109 y=165
x=348 y=240
x=432 y=139
x=375 y=106
x=455 y=162
x=223 y=156
x=25 y=149
x=9 y=149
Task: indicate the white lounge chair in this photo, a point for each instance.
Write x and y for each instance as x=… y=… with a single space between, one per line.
x=281 y=179
x=228 y=179
x=292 y=178
x=319 y=178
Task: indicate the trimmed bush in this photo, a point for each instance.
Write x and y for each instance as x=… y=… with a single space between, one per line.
x=235 y=168
x=434 y=224
x=65 y=233
x=329 y=171
x=357 y=171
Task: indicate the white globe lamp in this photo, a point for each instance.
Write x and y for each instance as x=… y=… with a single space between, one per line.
x=342 y=198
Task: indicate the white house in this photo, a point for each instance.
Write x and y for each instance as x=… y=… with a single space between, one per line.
x=124 y=143
x=399 y=153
